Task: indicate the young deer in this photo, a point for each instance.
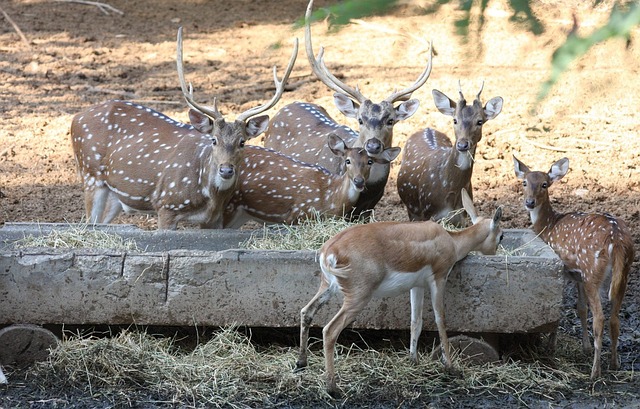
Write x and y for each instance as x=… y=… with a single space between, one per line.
x=433 y=171
x=275 y=188
x=133 y=158
x=595 y=247
x=300 y=129
x=389 y=258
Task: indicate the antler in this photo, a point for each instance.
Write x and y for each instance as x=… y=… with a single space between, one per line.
x=320 y=69
x=188 y=92
x=405 y=94
x=480 y=92
x=279 y=87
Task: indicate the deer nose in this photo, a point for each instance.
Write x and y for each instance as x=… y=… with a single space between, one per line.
x=530 y=203
x=462 y=146
x=226 y=171
x=358 y=182
x=373 y=146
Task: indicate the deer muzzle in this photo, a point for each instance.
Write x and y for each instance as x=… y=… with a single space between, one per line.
x=374 y=146
x=530 y=204
x=226 y=171
x=358 y=182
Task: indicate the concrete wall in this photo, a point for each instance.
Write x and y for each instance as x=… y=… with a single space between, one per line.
x=501 y=293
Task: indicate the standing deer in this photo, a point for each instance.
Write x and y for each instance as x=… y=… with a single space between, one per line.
x=300 y=129
x=389 y=258
x=595 y=248
x=133 y=158
x=275 y=188
x=433 y=171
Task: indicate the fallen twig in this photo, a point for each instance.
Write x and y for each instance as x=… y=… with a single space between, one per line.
x=15 y=27
x=105 y=8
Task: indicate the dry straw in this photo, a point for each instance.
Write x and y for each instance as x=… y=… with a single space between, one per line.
x=229 y=370
x=78 y=236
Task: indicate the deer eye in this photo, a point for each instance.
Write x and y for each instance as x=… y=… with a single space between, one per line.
x=347 y=161
x=390 y=122
x=360 y=121
x=479 y=122
x=544 y=185
x=370 y=162
x=455 y=121
x=214 y=141
x=501 y=237
x=242 y=144
x=524 y=183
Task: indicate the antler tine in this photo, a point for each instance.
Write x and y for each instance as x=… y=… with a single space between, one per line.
x=188 y=91
x=460 y=90
x=480 y=92
x=280 y=85
x=318 y=66
x=405 y=94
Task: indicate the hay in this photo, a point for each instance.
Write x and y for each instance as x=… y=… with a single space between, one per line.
x=230 y=371
x=78 y=236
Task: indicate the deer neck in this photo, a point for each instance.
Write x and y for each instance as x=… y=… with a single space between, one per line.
x=341 y=192
x=468 y=240
x=462 y=161
x=543 y=219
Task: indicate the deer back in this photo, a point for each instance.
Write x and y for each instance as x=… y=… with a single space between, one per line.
x=433 y=169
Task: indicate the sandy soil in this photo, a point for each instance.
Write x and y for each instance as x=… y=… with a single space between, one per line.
x=77 y=56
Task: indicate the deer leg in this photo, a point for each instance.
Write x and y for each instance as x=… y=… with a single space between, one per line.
x=306 y=317
x=417 y=302
x=616 y=293
x=582 y=313
x=95 y=200
x=437 y=300
x=112 y=209
x=595 y=304
x=348 y=312
x=166 y=219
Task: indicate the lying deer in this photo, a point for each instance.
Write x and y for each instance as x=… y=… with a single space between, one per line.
x=433 y=171
x=133 y=158
x=300 y=129
x=275 y=188
x=389 y=258
x=596 y=248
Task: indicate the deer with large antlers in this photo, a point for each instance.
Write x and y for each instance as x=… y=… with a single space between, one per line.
x=433 y=171
x=596 y=248
x=301 y=129
x=133 y=158
x=275 y=188
x=389 y=258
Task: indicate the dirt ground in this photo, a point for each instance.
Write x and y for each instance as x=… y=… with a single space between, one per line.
x=76 y=56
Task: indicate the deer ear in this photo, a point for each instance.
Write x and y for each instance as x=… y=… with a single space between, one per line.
x=387 y=155
x=336 y=144
x=256 y=125
x=493 y=107
x=520 y=168
x=444 y=104
x=558 y=170
x=497 y=216
x=406 y=109
x=346 y=105
x=200 y=121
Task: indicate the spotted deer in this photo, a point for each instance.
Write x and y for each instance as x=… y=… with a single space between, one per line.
x=596 y=249
x=275 y=188
x=133 y=158
x=433 y=171
x=300 y=129
x=389 y=258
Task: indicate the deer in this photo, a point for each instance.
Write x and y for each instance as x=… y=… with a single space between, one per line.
x=300 y=129
x=133 y=158
x=596 y=249
x=433 y=171
x=383 y=259
x=275 y=188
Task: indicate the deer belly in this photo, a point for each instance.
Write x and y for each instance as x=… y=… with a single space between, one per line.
x=133 y=200
x=399 y=282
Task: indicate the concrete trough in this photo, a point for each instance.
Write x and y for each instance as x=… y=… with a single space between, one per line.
x=196 y=277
